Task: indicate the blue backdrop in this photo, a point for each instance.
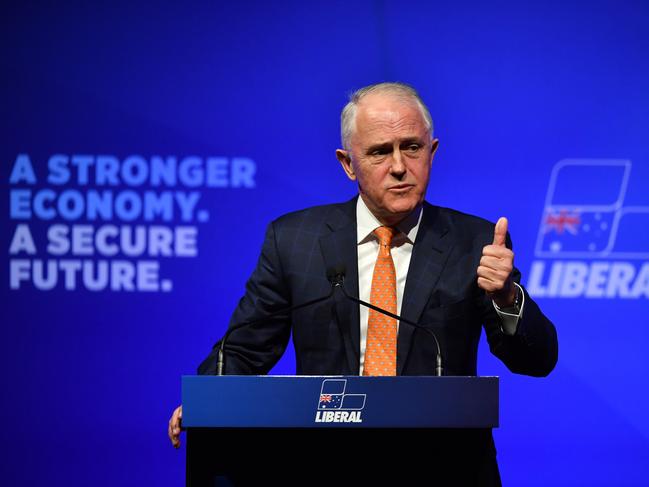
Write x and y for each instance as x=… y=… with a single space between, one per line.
x=145 y=147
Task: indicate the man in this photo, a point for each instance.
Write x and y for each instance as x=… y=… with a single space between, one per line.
x=434 y=266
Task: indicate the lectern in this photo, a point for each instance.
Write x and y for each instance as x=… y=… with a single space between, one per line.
x=299 y=430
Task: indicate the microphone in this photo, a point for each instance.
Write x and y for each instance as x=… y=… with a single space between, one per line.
x=336 y=276
x=221 y=358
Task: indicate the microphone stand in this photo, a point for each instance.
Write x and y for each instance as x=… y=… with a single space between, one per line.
x=220 y=359
x=338 y=281
x=336 y=277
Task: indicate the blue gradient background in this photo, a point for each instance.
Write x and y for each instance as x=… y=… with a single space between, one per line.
x=90 y=379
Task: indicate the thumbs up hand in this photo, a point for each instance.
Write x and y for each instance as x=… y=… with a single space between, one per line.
x=495 y=269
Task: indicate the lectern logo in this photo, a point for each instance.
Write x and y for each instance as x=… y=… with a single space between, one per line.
x=335 y=406
x=592 y=243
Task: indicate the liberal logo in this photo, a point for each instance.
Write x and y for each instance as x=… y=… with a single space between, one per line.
x=335 y=406
x=590 y=243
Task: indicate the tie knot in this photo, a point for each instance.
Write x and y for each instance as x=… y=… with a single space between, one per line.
x=385 y=235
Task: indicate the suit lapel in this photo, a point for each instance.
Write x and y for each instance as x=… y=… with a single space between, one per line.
x=340 y=248
x=429 y=256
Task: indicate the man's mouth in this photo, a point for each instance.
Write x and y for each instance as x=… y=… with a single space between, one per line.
x=400 y=187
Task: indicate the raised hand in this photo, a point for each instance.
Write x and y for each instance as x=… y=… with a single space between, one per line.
x=495 y=269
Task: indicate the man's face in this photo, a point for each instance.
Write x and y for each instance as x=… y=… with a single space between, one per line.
x=390 y=156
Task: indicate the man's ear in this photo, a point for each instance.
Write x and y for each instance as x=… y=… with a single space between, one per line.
x=434 y=146
x=345 y=160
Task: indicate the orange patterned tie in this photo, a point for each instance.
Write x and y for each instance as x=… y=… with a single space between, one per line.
x=381 y=348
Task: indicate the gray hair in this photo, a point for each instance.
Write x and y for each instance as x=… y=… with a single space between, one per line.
x=348 y=115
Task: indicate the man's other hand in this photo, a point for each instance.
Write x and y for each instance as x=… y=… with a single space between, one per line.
x=175 y=425
x=495 y=269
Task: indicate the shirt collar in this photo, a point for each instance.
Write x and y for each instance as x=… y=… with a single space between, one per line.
x=366 y=223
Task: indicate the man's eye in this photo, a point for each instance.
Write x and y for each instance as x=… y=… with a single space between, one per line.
x=414 y=147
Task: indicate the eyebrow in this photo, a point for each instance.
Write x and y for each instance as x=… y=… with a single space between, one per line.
x=381 y=146
x=411 y=140
x=388 y=145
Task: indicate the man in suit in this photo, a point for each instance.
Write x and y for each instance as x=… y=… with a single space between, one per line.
x=438 y=267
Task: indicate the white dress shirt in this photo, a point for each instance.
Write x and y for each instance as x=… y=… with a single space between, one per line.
x=402 y=244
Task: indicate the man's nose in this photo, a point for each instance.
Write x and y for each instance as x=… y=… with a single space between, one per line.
x=397 y=167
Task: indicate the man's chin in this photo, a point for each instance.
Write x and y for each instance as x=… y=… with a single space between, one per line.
x=392 y=210
x=397 y=212
x=403 y=206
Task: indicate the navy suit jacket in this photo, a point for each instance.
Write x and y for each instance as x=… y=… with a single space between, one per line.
x=441 y=292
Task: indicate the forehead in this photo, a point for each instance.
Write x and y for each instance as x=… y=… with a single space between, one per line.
x=386 y=116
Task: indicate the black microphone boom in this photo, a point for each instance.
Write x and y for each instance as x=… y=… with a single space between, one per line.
x=337 y=277
x=220 y=360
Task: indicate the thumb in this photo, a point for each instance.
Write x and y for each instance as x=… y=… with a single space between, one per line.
x=500 y=232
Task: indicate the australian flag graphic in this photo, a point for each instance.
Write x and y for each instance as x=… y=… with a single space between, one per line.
x=582 y=205
x=574 y=230
x=331 y=394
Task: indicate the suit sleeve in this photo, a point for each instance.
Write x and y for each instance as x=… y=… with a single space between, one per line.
x=255 y=349
x=533 y=349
